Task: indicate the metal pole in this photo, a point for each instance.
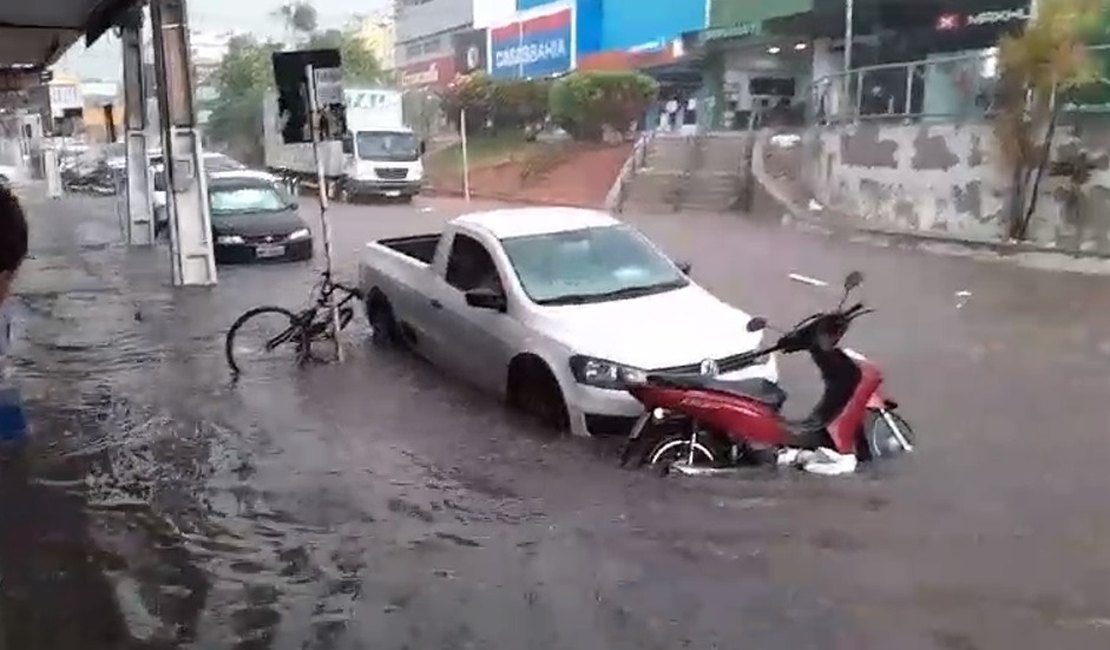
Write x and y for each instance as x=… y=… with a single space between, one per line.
x=321 y=181
x=466 y=160
x=849 y=11
x=909 y=89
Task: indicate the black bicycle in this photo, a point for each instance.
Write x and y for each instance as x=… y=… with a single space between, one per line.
x=264 y=334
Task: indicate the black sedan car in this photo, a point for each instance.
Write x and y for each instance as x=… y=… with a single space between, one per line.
x=254 y=220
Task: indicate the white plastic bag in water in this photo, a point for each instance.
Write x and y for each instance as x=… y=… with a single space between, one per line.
x=824 y=461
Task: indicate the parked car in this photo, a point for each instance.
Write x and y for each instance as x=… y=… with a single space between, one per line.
x=213 y=162
x=547 y=307
x=254 y=220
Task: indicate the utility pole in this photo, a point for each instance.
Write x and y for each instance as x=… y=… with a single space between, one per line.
x=137 y=200
x=849 y=33
x=190 y=225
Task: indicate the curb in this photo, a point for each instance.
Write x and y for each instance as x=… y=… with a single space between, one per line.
x=507 y=198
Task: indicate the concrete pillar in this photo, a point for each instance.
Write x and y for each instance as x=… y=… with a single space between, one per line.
x=137 y=202
x=190 y=223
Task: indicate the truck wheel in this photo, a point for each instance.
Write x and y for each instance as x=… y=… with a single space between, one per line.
x=385 y=331
x=532 y=389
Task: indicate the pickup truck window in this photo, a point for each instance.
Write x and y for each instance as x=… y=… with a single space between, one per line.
x=590 y=265
x=470 y=265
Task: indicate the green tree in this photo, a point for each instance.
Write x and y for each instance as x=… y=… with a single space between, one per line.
x=1040 y=68
x=300 y=18
x=244 y=76
x=360 y=66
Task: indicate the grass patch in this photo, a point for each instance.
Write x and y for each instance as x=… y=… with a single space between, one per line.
x=486 y=151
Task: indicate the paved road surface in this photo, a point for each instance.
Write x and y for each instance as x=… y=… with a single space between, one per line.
x=379 y=505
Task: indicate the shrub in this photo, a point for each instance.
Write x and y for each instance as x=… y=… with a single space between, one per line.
x=496 y=104
x=584 y=103
x=475 y=94
x=520 y=104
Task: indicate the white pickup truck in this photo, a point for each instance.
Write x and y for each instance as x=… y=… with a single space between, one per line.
x=547 y=306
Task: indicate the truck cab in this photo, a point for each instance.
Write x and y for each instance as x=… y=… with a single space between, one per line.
x=383 y=161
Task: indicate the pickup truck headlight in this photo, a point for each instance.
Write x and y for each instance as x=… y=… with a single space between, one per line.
x=601 y=373
x=229 y=239
x=303 y=233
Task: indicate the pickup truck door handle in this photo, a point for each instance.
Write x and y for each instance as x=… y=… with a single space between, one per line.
x=437 y=304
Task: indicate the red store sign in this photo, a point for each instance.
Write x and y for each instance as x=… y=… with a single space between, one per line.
x=437 y=72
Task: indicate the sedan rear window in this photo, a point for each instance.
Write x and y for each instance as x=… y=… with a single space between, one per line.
x=240 y=200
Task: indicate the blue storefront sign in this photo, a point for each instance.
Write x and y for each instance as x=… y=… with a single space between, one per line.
x=539 y=46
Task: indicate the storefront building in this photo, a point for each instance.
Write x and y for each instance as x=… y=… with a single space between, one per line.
x=589 y=19
x=424 y=30
x=535 y=43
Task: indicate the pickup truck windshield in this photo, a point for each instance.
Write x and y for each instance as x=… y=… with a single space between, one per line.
x=387 y=146
x=590 y=265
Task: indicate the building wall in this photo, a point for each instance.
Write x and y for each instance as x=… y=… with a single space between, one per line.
x=628 y=23
x=728 y=13
x=945 y=178
x=418 y=19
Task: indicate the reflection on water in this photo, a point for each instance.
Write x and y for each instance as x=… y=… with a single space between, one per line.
x=160 y=505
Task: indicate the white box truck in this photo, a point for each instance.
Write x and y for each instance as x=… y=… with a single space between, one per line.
x=381 y=156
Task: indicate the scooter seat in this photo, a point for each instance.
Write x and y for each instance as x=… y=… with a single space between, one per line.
x=758 y=389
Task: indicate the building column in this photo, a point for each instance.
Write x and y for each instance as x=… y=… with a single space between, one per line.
x=137 y=201
x=190 y=224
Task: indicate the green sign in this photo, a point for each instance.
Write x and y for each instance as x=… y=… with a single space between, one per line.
x=736 y=31
x=730 y=13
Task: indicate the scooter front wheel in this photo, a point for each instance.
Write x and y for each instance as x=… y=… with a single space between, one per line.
x=885 y=435
x=677 y=449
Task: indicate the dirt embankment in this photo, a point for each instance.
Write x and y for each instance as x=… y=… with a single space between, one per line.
x=544 y=173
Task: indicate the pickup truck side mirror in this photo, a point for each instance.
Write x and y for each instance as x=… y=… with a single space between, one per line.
x=484 y=298
x=348 y=143
x=685 y=267
x=423 y=147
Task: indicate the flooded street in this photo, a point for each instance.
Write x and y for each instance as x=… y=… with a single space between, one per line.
x=379 y=504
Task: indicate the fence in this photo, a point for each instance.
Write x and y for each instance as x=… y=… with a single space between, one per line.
x=959 y=87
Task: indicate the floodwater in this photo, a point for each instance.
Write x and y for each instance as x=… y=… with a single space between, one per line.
x=377 y=504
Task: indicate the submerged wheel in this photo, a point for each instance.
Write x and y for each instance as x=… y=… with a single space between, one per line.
x=676 y=448
x=384 y=329
x=879 y=440
x=534 y=390
x=262 y=335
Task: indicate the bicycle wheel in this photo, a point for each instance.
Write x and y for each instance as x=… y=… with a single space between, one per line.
x=262 y=336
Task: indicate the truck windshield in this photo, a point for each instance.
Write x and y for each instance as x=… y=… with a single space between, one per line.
x=386 y=145
x=590 y=265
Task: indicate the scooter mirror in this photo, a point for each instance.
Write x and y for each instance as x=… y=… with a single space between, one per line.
x=854 y=279
x=757 y=324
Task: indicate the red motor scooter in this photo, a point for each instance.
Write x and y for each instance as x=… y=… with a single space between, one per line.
x=698 y=423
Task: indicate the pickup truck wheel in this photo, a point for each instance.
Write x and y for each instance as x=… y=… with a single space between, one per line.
x=534 y=390
x=384 y=326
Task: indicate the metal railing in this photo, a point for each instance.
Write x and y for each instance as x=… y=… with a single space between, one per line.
x=960 y=87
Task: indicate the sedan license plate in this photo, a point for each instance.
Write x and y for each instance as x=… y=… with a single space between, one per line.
x=393 y=193
x=269 y=250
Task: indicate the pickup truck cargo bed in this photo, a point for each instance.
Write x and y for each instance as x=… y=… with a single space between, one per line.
x=420 y=247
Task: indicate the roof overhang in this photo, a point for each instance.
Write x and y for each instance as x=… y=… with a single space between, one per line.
x=33 y=34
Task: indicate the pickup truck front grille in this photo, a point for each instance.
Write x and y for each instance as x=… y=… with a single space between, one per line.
x=725 y=364
x=391 y=173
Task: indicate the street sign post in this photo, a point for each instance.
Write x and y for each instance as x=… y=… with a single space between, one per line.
x=311 y=108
